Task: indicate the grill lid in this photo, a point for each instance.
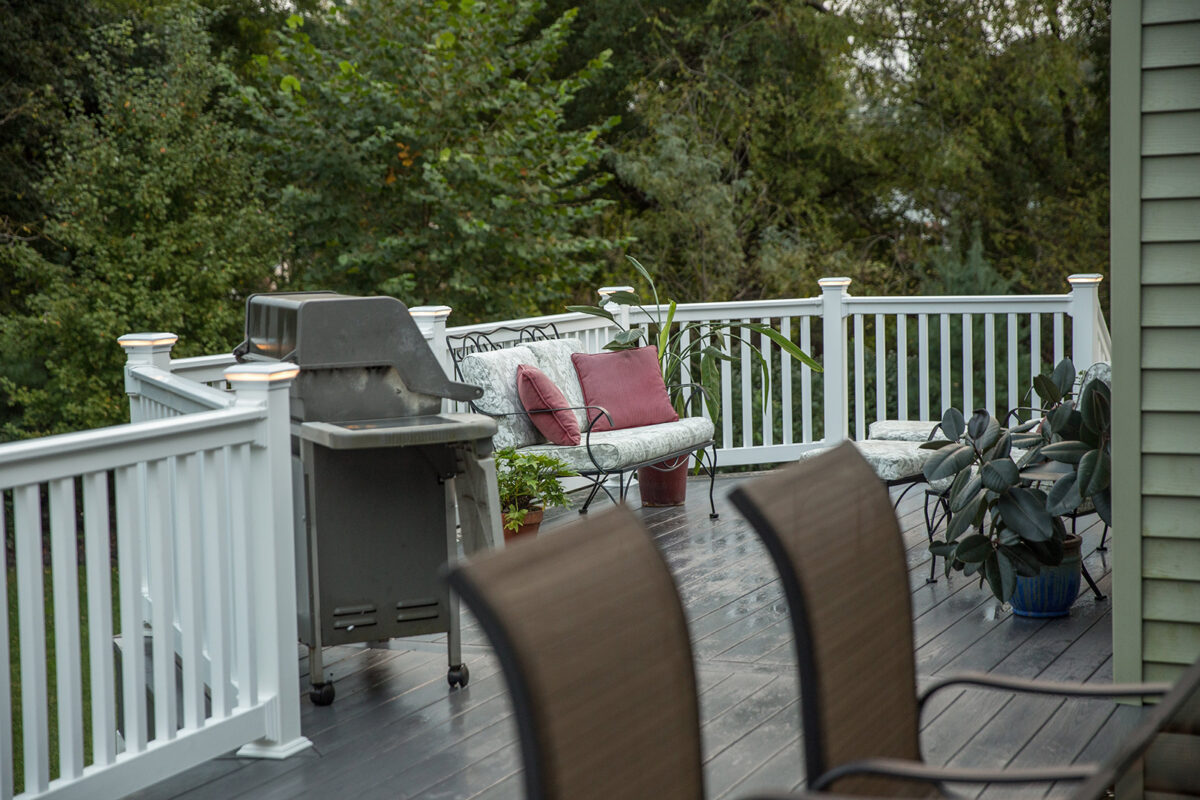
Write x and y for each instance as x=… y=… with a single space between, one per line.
x=330 y=331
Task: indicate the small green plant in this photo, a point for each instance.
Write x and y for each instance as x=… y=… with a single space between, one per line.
x=527 y=481
x=710 y=341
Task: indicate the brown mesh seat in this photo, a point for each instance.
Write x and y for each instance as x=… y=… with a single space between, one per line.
x=590 y=634
x=829 y=526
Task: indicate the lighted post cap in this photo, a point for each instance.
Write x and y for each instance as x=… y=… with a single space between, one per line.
x=147 y=339
x=1084 y=279
x=434 y=312
x=608 y=291
x=261 y=373
x=832 y=283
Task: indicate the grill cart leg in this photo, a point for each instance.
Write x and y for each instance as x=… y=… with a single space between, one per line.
x=321 y=692
x=458 y=674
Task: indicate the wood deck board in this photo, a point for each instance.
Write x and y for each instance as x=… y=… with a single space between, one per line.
x=397 y=731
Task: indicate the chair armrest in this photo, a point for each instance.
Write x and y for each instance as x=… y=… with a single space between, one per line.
x=987 y=680
x=917 y=771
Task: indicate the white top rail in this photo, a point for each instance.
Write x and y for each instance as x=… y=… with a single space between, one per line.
x=964 y=304
x=178 y=390
x=37 y=460
x=203 y=369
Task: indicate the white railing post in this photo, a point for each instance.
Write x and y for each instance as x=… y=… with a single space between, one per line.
x=266 y=385
x=833 y=313
x=621 y=312
x=1085 y=309
x=431 y=320
x=144 y=349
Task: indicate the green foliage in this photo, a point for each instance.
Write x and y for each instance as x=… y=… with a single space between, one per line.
x=1017 y=528
x=422 y=153
x=528 y=480
x=156 y=220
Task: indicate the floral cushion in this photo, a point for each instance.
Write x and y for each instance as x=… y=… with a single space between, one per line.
x=617 y=449
x=495 y=371
x=903 y=430
x=891 y=460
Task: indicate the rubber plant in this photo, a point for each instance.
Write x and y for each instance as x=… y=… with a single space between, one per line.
x=680 y=344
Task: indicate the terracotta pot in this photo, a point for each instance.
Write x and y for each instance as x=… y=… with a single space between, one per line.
x=533 y=521
x=664 y=483
x=1052 y=592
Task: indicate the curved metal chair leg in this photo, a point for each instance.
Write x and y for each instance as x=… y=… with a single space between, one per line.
x=712 y=480
x=1103 y=537
x=591 y=495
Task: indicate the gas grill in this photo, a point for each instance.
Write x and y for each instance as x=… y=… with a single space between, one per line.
x=378 y=471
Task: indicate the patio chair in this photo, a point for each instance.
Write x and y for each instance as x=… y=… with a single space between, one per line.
x=831 y=531
x=591 y=637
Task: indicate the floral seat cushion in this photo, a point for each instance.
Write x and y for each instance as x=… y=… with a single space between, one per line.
x=615 y=450
x=903 y=430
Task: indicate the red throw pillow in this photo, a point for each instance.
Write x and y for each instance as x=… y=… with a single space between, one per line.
x=626 y=383
x=538 y=393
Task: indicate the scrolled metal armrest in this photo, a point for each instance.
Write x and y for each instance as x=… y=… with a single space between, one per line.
x=986 y=680
x=917 y=771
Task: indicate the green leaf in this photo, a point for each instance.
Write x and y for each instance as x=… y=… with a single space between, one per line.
x=289 y=84
x=664 y=333
x=995 y=578
x=1064 y=496
x=1024 y=510
x=948 y=461
x=1060 y=418
x=1008 y=575
x=963 y=521
x=978 y=424
x=973 y=549
x=1093 y=473
x=1049 y=552
x=1103 y=503
x=1064 y=376
x=971 y=485
x=953 y=424
x=1023 y=559
x=1000 y=474
x=1003 y=446
x=624 y=298
x=785 y=344
x=1046 y=390
x=1095 y=405
x=935 y=444
x=594 y=311
x=1065 y=452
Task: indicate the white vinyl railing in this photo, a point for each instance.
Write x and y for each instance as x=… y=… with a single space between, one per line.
x=883 y=357
x=172 y=537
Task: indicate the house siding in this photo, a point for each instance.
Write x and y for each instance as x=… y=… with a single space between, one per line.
x=1156 y=274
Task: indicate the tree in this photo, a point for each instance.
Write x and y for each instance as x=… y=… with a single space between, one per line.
x=156 y=216
x=423 y=154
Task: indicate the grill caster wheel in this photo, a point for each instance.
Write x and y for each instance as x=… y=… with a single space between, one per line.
x=321 y=694
x=458 y=676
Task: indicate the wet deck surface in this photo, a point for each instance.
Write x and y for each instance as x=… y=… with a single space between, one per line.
x=397 y=731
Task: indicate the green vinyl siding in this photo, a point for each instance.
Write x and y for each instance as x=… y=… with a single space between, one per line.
x=1171 y=133
x=1177 y=475
x=1155 y=11
x=1171 y=517
x=1174 y=45
x=1171 y=348
x=1171 y=220
x=1169 y=306
x=1170 y=433
x=1176 y=89
x=1167 y=177
x=1162 y=673
x=1171 y=559
x=1171 y=262
x=1172 y=601
x=1171 y=642
x=1177 y=390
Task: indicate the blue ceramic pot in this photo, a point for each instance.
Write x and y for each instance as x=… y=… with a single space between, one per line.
x=1052 y=592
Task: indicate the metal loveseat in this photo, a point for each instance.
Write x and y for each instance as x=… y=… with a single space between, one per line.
x=490 y=360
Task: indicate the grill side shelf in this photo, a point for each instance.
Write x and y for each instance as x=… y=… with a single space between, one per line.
x=399 y=432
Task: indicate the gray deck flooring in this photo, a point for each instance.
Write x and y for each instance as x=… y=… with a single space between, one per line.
x=397 y=731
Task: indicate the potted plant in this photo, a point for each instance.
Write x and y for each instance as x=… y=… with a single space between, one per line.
x=1011 y=533
x=528 y=484
x=677 y=345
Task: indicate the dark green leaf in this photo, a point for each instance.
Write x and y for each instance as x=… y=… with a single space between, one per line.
x=953 y=424
x=979 y=423
x=963 y=520
x=995 y=579
x=1046 y=390
x=1060 y=418
x=1024 y=510
x=1008 y=575
x=973 y=549
x=1003 y=446
x=956 y=489
x=1064 y=496
x=1064 y=376
x=1095 y=405
x=948 y=461
x=935 y=444
x=1065 y=452
x=1000 y=474
x=1024 y=560
x=624 y=298
x=594 y=311
x=1094 y=472
x=1103 y=503
x=941 y=549
x=787 y=345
